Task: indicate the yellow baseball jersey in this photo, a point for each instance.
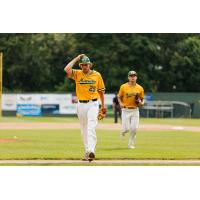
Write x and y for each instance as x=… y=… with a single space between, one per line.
x=127 y=94
x=87 y=86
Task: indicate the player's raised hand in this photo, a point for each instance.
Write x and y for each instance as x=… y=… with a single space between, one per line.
x=80 y=56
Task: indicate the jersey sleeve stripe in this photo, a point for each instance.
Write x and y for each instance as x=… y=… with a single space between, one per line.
x=70 y=75
x=103 y=89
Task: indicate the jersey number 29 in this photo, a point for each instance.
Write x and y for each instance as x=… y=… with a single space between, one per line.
x=92 y=88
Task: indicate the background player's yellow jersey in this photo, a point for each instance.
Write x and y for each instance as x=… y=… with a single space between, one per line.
x=87 y=86
x=127 y=94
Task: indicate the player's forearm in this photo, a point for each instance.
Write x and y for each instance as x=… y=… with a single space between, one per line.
x=69 y=66
x=101 y=95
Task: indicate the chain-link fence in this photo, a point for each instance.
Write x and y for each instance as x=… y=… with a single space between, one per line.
x=166 y=109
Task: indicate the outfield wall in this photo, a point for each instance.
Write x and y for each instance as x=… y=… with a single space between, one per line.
x=43 y=104
x=65 y=104
x=191 y=98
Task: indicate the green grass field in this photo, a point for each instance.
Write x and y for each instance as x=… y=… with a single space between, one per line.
x=178 y=121
x=67 y=144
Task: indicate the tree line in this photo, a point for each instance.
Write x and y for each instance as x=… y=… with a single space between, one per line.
x=34 y=62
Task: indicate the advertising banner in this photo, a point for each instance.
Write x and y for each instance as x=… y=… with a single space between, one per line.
x=50 y=109
x=28 y=110
x=68 y=108
x=48 y=103
x=148 y=98
x=9 y=102
x=55 y=98
x=28 y=99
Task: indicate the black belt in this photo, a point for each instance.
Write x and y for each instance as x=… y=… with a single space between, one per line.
x=130 y=107
x=86 y=101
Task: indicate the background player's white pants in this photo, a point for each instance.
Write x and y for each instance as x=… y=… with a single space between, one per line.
x=130 y=122
x=87 y=114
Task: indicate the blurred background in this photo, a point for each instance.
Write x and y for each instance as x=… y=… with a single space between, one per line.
x=34 y=82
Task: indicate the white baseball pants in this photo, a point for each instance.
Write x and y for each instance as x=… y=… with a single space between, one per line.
x=87 y=114
x=130 y=122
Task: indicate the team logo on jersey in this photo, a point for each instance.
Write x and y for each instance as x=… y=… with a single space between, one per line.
x=131 y=94
x=82 y=81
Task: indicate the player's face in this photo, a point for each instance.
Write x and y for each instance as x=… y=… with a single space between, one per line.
x=85 y=67
x=132 y=78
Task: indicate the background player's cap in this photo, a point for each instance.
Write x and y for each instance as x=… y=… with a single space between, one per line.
x=84 y=60
x=132 y=73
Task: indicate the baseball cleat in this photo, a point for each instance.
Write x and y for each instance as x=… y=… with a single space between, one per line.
x=91 y=156
x=131 y=147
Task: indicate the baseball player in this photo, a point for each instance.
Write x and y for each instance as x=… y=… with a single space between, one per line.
x=89 y=87
x=130 y=97
x=116 y=108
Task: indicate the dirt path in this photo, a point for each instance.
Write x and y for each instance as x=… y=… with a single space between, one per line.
x=42 y=125
x=170 y=162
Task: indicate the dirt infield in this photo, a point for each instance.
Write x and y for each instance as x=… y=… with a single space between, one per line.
x=7 y=140
x=102 y=162
x=42 y=125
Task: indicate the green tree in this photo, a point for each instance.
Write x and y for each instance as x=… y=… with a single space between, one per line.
x=34 y=62
x=186 y=65
x=115 y=54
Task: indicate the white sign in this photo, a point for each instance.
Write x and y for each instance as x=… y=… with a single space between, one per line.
x=65 y=101
x=68 y=109
x=9 y=102
x=55 y=98
x=109 y=99
x=28 y=99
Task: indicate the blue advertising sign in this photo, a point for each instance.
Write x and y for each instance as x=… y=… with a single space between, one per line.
x=148 y=98
x=50 y=109
x=28 y=110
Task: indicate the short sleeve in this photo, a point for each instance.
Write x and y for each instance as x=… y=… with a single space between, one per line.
x=73 y=74
x=101 y=86
x=142 y=93
x=121 y=92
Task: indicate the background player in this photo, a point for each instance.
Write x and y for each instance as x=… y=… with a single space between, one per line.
x=116 y=108
x=130 y=97
x=89 y=87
